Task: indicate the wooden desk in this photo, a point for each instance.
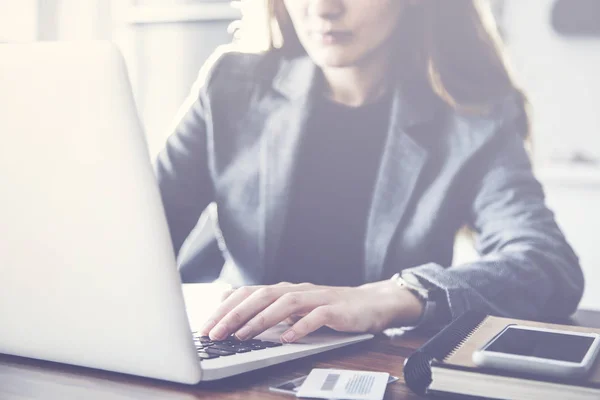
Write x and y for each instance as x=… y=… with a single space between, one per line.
x=30 y=379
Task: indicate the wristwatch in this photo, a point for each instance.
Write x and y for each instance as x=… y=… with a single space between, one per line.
x=411 y=283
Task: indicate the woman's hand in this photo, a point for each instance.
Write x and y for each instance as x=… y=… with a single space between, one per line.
x=248 y=311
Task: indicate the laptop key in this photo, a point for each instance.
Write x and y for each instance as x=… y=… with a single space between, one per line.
x=243 y=349
x=234 y=345
x=224 y=347
x=218 y=352
x=236 y=349
x=271 y=344
x=205 y=356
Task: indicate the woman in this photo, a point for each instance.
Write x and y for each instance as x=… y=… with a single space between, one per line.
x=354 y=149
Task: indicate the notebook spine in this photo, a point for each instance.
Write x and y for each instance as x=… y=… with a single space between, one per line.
x=417 y=369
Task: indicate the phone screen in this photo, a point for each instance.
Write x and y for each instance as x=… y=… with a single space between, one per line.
x=549 y=345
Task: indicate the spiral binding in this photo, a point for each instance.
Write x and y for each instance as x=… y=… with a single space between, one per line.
x=463 y=341
x=417 y=368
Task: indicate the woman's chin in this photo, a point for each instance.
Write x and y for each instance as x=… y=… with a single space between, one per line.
x=331 y=59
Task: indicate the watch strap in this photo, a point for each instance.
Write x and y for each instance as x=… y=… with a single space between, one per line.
x=411 y=283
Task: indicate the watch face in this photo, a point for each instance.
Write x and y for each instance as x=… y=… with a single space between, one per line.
x=413 y=284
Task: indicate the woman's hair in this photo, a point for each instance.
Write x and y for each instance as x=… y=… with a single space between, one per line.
x=453 y=45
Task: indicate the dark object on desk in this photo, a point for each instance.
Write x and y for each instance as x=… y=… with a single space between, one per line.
x=444 y=365
x=576 y=17
x=417 y=371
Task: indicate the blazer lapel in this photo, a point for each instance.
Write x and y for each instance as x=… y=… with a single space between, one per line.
x=401 y=164
x=296 y=81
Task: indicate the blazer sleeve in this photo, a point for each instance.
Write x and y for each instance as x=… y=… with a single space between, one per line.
x=182 y=167
x=526 y=267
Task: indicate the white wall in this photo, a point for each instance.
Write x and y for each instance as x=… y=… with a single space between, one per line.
x=18 y=20
x=578 y=215
x=561 y=76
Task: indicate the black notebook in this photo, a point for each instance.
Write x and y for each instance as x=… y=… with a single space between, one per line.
x=443 y=366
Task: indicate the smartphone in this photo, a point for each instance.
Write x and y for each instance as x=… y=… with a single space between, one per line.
x=541 y=351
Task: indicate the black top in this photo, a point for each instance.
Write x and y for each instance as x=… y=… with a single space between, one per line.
x=324 y=235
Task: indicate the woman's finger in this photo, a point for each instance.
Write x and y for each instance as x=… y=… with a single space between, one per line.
x=250 y=306
x=228 y=304
x=226 y=294
x=239 y=312
x=290 y=303
x=230 y=291
x=321 y=316
x=291 y=320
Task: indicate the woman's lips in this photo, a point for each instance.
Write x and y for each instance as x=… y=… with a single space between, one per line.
x=331 y=37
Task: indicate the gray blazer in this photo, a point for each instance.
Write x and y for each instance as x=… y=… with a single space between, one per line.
x=231 y=158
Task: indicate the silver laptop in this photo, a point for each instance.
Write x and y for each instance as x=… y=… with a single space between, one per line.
x=87 y=271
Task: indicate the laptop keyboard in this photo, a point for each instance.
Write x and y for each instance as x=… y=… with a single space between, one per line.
x=209 y=349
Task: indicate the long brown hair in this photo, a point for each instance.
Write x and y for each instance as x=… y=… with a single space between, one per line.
x=453 y=45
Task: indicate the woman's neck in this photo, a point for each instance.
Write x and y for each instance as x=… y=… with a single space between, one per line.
x=357 y=85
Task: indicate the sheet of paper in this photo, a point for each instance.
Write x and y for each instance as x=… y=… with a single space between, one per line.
x=342 y=384
x=291 y=387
